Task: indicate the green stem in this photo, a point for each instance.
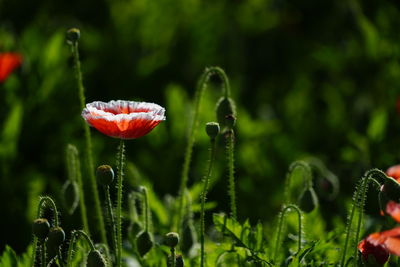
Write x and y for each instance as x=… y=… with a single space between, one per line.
x=201 y=86
x=146 y=209
x=280 y=226
x=203 y=201
x=74 y=237
x=173 y=256
x=230 y=136
x=292 y=168
x=111 y=217
x=48 y=200
x=34 y=251
x=89 y=157
x=121 y=162
x=82 y=200
x=43 y=253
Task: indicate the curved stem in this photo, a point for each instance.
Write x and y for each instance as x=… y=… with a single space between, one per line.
x=206 y=180
x=230 y=138
x=201 y=86
x=111 y=217
x=74 y=237
x=292 y=168
x=280 y=226
x=89 y=157
x=48 y=200
x=121 y=162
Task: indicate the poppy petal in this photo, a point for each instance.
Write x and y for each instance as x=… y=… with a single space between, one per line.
x=8 y=62
x=393 y=209
x=394 y=172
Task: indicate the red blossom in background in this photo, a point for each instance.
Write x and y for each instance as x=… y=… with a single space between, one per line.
x=123 y=119
x=8 y=62
x=393 y=209
x=380 y=245
x=394 y=172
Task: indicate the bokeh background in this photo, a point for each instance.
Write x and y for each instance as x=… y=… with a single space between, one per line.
x=310 y=79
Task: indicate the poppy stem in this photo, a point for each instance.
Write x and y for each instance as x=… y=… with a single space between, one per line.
x=206 y=180
x=201 y=86
x=110 y=217
x=285 y=209
x=121 y=162
x=49 y=201
x=146 y=209
x=173 y=257
x=307 y=175
x=89 y=157
x=34 y=251
x=74 y=236
x=74 y=169
x=230 y=143
x=43 y=253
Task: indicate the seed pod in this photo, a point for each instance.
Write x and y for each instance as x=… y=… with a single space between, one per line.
x=212 y=129
x=391 y=188
x=56 y=237
x=73 y=35
x=70 y=196
x=179 y=262
x=226 y=110
x=105 y=175
x=172 y=239
x=144 y=243
x=308 y=200
x=95 y=259
x=40 y=228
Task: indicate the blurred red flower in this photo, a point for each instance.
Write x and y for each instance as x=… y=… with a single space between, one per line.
x=8 y=62
x=394 y=172
x=380 y=245
x=393 y=209
x=123 y=119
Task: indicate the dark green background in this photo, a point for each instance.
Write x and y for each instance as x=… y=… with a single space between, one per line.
x=310 y=78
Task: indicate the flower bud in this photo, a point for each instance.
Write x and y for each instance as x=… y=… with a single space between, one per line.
x=73 y=35
x=212 y=129
x=178 y=261
x=308 y=200
x=391 y=188
x=171 y=239
x=95 y=259
x=56 y=237
x=40 y=228
x=105 y=175
x=70 y=196
x=226 y=113
x=144 y=243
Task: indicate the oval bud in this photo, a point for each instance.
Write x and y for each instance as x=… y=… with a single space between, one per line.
x=56 y=237
x=144 y=243
x=308 y=200
x=178 y=261
x=391 y=188
x=40 y=228
x=73 y=35
x=105 y=175
x=171 y=239
x=212 y=129
x=226 y=113
x=135 y=228
x=95 y=259
x=70 y=196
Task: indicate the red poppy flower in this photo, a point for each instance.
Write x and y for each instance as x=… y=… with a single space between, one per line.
x=380 y=245
x=393 y=209
x=8 y=62
x=394 y=172
x=123 y=119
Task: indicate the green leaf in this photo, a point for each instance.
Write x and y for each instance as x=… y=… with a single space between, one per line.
x=8 y=258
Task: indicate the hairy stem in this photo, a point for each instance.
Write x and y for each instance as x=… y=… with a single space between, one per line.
x=146 y=209
x=74 y=237
x=89 y=157
x=110 y=217
x=230 y=138
x=43 y=253
x=206 y=180
x=49 y=201
x=201 y=86
x=121 y=163
x=292 y=168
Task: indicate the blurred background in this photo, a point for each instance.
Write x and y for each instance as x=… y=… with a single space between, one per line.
x=310 y=78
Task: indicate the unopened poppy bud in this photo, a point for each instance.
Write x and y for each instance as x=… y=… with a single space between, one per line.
x=212 y=129
x=73 y=35
x=105 y=175
x=40 y=228
x=56 y=237
x=171 y=239
x=95 y=259
x=230 y=121
x=391 y=188
x=135 y=228
x=178 y=261
x=70 y=194
x=308 y=200
x=144 y=243
x=225 y=107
